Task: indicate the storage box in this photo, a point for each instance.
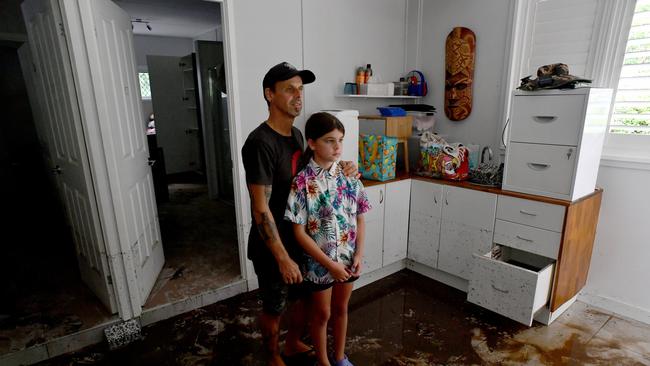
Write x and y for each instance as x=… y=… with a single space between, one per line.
x=382 y=89
x=377 y=157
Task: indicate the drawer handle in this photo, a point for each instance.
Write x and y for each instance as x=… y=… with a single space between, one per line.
x=500 y=290
x=544 y=119
x=524 y=239
x=538 y=166
x=527 y=213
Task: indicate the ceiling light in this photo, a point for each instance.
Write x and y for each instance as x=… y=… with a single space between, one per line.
x=138 y=20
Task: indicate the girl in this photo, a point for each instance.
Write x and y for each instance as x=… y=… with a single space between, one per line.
x=326 y=209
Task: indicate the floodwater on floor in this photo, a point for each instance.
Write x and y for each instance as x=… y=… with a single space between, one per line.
x=404 y=319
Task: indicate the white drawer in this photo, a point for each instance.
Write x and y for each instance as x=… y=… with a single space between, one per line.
x=533 y=213
x=539 y=241
x=540 y=169
x=503 y=285
x=547 y=119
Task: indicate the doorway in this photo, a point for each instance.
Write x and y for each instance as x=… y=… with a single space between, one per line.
x=189 y=144
x=201 y=230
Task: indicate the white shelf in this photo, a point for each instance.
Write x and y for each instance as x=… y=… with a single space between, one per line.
x=378 y=96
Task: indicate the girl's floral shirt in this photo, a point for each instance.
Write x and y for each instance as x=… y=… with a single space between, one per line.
x=327 y=203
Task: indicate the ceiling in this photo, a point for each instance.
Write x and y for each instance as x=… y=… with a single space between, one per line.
x=173 y=18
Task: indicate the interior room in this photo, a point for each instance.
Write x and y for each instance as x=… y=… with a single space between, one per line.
x=509 y=225
x=46 y=297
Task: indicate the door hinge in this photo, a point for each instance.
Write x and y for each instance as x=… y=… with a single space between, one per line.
x=109 y=279
x=62 y=29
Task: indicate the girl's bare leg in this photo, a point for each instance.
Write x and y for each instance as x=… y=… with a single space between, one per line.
x=340 y=297
x=320 y=314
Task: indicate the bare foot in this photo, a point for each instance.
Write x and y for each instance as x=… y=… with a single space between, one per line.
x=299 y=347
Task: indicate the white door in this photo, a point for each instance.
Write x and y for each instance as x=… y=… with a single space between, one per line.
x=174 y=107
x=374 y=244
x=111 y=57
x=467 y=228
x=396 y=211
x=60 y=123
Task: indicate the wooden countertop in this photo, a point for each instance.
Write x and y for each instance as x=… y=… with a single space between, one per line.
x=466 y=184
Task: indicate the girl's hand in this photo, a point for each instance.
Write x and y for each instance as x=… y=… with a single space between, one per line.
x=356 y=266
x=339 y=272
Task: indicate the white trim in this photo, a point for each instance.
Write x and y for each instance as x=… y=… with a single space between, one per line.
x=625 y=161
x=236 y=138
x=509 y=76
x=614 y=33
x=520 y=37
x=615 y=306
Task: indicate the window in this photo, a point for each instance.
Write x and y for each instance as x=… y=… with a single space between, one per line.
x=631 y=113
x=145 y=88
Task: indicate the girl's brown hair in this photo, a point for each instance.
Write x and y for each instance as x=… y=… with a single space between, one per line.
x=319 y=124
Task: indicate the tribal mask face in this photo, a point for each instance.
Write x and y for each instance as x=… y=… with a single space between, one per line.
x=459 y=73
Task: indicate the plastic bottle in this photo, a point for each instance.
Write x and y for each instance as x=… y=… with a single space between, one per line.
x=368 y=74
x=360 y=79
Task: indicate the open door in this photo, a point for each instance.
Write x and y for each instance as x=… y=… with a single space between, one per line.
x=48 y=74
x=84 y=50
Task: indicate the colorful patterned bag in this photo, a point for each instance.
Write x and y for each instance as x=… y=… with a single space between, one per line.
x=377 y=156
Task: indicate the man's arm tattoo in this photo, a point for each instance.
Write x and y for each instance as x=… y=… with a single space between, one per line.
x=267 y=229
x=267 y=193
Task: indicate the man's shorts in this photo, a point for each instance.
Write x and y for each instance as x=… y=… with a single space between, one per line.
x=274 y=293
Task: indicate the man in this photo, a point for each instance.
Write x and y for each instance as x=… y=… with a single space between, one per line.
x=270 y=155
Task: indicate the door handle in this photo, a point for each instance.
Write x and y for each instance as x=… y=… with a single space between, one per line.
x=524 y=239
x=544 y=119
x=500 y=290
x=381 y=196
x=151 y=162
x=538 y=166
x=57 y=170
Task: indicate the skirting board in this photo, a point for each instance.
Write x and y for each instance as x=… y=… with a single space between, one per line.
x=169 y=310
x=440 y=276
x=615 y=306
x=380 y=273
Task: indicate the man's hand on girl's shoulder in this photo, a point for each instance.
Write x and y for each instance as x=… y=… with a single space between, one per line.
x=350 y=169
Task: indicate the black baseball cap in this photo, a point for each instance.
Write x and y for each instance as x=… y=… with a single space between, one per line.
x=285 y=71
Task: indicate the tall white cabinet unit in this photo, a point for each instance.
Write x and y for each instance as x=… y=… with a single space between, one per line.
x=555 y=142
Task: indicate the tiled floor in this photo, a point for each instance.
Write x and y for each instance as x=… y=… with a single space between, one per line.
x=200 y=243
x=405 y=319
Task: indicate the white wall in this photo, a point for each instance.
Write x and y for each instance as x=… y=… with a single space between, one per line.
x=490 y=25
x=619 y=274
x=330 y=38
x=160 y=46
x=211 y=35
x=340 y=36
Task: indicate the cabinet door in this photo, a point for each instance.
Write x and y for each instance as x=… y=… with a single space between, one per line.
x=467 y=227
x=396 y=221
x=372 y=255
x=424 y=222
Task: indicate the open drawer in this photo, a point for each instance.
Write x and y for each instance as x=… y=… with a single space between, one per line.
x=511 y=282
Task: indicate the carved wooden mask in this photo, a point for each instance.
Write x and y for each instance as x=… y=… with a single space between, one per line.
x=460 y=50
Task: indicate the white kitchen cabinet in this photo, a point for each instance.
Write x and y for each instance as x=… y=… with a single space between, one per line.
x=555 y=142
x=542 y=261
x=374 y=242
x=386 y=224
x=511 y=282
x=448 y=224
x=466 y=228
x=396 y=221
x=424 y=222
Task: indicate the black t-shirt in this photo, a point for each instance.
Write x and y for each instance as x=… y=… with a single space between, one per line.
x=272 y=159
